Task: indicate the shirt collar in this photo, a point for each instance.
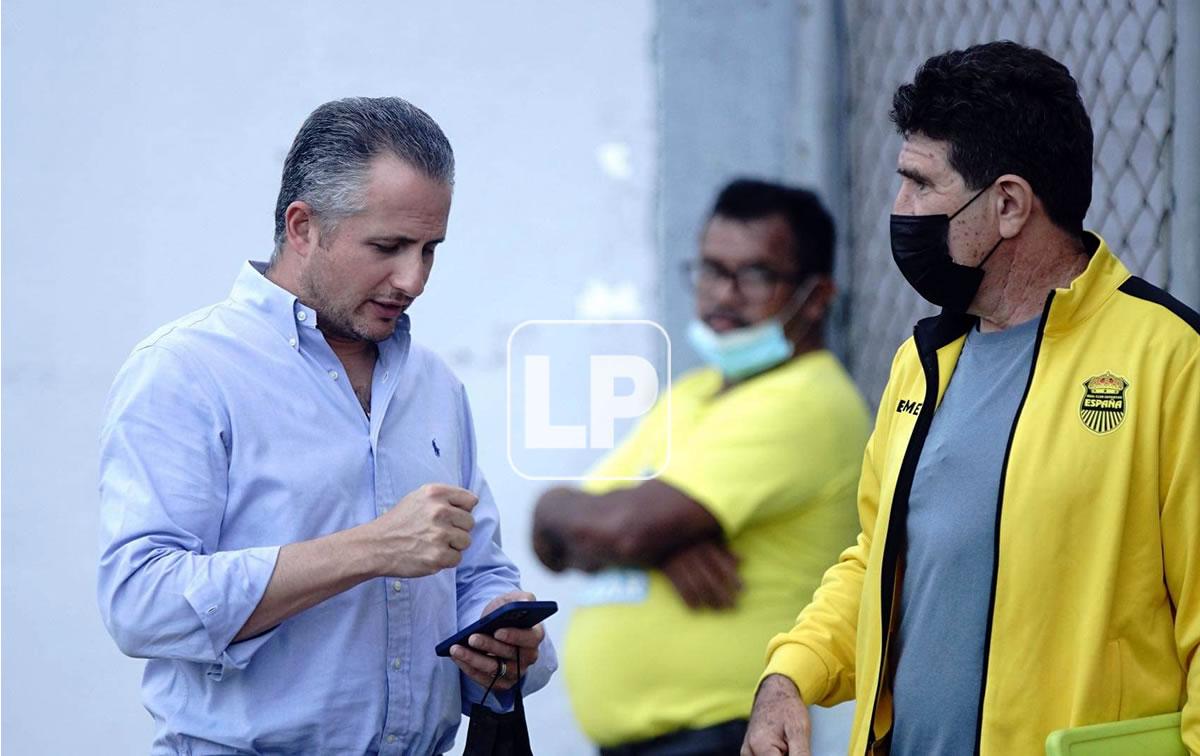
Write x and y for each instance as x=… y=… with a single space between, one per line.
x=280 y=307
x=287 y=314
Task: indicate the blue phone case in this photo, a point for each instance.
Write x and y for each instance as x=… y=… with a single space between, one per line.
x=522 y=614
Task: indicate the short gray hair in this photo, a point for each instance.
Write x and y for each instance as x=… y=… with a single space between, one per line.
x=328 y=162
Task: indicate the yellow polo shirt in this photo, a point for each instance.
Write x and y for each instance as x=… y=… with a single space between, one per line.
x=776 y=461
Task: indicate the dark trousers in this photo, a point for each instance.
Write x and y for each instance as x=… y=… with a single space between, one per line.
x=723 y=739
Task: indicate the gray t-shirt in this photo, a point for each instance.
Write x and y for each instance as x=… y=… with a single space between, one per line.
x=951 y=534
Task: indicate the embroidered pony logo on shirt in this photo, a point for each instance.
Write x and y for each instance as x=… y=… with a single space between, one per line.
x=436 y=450
x=1103 y=407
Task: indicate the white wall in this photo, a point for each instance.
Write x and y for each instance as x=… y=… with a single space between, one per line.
x=142 y=145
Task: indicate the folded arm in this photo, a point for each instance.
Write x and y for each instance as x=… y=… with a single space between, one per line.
x=637 y=526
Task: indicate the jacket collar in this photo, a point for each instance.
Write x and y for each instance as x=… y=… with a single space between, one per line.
x=1090 y=289
x=1068 y=307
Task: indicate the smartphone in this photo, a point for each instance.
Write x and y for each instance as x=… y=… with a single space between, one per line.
x=522 y=614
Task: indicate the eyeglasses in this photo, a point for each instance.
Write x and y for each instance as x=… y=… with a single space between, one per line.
x=755 y=282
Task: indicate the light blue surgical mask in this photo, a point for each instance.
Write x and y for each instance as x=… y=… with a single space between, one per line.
x=744 y=352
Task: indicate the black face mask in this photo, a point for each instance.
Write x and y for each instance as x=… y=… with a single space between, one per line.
x=921 y=249
x=499 y=733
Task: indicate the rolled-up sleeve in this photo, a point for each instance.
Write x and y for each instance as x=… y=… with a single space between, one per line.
x=164 y=589
x=486 y=572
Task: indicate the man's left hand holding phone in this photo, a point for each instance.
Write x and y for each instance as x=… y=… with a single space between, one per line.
x=485 y=655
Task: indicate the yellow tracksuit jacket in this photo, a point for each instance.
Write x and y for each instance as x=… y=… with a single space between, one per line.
x=1095 y=601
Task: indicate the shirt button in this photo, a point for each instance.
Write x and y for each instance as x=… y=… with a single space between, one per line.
x=302 y=315
x=292 y=343
x=333 y=374
x=212 y=610
x=397 y=586
x=391 y=738
x=395 y=664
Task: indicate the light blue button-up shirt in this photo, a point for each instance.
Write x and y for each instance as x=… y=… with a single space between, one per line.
x=234 y=431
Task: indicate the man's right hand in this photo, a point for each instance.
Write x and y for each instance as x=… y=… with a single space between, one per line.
x=427 y=531
x=705 y=575
x=779 y=724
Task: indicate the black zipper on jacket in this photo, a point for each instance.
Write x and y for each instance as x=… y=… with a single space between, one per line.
x=898 y=515
x=991 y=615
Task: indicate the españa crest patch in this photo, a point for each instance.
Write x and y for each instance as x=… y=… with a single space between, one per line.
x=1103 y=407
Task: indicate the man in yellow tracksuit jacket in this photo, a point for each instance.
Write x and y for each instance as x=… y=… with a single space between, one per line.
x=1065 y=591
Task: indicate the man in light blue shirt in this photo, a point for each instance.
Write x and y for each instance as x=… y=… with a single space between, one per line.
x=292 y=510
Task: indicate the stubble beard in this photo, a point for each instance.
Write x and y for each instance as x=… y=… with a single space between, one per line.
x=334 y=319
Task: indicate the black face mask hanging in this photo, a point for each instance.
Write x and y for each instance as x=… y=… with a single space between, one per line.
x=921 y=249
x=494 y=733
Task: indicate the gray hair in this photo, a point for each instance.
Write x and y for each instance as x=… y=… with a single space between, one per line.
x=328 y=162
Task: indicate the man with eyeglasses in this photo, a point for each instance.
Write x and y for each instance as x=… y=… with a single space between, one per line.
x=692 y=571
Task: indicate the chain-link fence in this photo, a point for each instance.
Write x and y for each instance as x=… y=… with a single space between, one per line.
x=1120 y=52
